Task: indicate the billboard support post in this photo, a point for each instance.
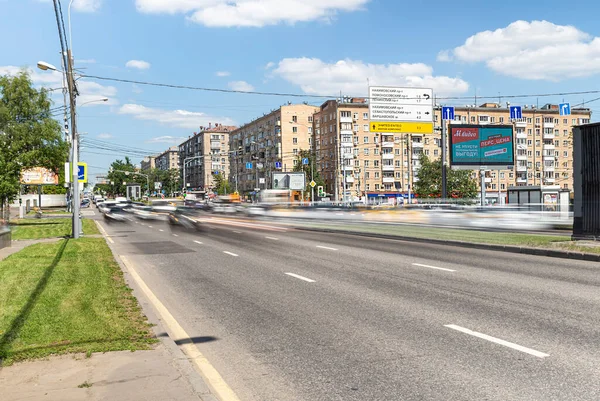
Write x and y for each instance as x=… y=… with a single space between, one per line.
x=482 y=173
x=444 y=171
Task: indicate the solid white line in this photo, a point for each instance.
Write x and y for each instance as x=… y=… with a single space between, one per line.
x=326 y=247
x=215 y=381
x=149 y=226
x=160 y=229
x=198 y=242
x=434 y=267
x=300 y=277
x=175 y=235
x=103 y=231
x=497 y=341
x=229 y=253
x=237 y=232
x=273 y=238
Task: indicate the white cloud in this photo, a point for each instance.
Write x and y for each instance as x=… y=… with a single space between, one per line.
x=251 y=13
x=223 y=73
x=139 y=64
x=533 y=50
x=88 y=90
x=105 y=136
x=350 y=76
x=87 y=6
x=241 y=86
x=444 y=56
x=174 y=140
x=175 y=118
x=269 y=65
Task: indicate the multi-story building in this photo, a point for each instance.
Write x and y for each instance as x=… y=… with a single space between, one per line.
x=277 y=137
x=383 y=166
x=148 y=162
x=168 y=159
x=204 y=154
x=543 y=145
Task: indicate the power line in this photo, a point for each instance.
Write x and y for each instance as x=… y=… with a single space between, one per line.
x=198 y=88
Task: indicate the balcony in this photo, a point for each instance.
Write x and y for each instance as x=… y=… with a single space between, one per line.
x=347 y=156
x=215 y=145
x=549 y=125
x=389 y=167
x=521 y=124
x=521 y=146
x=549 y=180
x=349 y=179
x=488 y=180
x=387 y=156
x=348 y=168
x=521 y=167
x=350 y=143
x=549 y=155
x=521 y=135
x=387 y=144
x=548 y=135
x=388 y=180
x=345 y=119
x=522 y=156
x=549 y=167
x=522 y=180
x=418 y=145
x=549 y=146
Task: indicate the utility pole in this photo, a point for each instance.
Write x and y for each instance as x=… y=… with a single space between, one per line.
x=444 y=171
x=74 y=146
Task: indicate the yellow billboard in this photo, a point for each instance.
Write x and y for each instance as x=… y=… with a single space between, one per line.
x=39 y=176
x=398 y=127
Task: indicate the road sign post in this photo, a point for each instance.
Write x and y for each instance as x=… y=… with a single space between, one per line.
x=516 y=112
x=447 y=114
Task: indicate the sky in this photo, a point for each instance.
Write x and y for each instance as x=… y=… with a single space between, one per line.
x=311 y=48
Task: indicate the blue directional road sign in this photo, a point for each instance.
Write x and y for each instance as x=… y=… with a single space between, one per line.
x=82 y=172
x=277 y=164
x=305 y=160
x=565 y=109
x=516 y=112
x=447 y=113
x=249 y=165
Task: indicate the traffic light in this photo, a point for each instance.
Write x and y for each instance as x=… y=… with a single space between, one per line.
x=320 y=190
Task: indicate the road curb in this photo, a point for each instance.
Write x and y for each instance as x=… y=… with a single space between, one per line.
x=553 y=253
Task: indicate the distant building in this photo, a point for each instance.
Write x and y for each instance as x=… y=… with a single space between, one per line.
x=273 y=140
x=204 y=154
x=168 y=159
x=148 y=162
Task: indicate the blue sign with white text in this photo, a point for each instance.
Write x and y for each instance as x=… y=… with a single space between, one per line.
x=81 y=172
x=516 y=112
x=305 y=160
x=248 y=165
x=447 y=113
x=277 y=164
x=565 y=109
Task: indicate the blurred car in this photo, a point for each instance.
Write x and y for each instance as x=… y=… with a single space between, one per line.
x=116 y=214
x=98 y=200
x=85 y=203
x=103 y=207
x=121 y=199
x=184 y=218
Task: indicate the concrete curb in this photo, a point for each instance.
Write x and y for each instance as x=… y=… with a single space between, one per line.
x=552 y=253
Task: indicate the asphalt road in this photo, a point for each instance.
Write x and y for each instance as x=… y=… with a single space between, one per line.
x=296 y=315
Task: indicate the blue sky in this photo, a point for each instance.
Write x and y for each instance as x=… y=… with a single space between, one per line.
x=317 y=47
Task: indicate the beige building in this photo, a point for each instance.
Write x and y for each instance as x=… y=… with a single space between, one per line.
x=277 y=137
x=148 y=163
x=204 y=154
x=168 y=159
x=383 y=166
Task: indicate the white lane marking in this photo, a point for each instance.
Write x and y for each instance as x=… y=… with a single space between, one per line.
x=230 y=253
x=237 y=232
x=273 y=238
x=175 y=235
x=497 y=341
x=434 y=267
x=160 y=229
x=103 y=231
x=149 y=226
x=326 y=247
x=300 y=277
x=198 y=242
x=215 y=381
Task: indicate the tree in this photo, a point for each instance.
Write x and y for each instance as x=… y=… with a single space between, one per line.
x=460 y=183
x=120 y=172
x=29 y=136
x=308 y=169
x=221 y=185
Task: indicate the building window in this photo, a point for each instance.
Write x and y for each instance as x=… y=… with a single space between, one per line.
x=295 y=162
x=565 y=143
x=529 y=120
x=355 y=116
x=529 y=131
x=310 y=130
x=565 y=154
x=294 y=129
x=556 y=143
x=355 y=127
x=366 y=152
x=366 y=163
x=376 y=187
x=310 y=119
x=436 y=152
x=376 y=151
x=492 y=119
x=375 y=163
x=397 y=151
x=295 y=151
x=501 y=119
x=473 y=119
x=529 y=142
x=574 y=122
x=367 y=175
x=366 y=127
x=295 y=141
x=565 y=121
x=367 y=187
x=366 y=139
x=376 y=139
x=397 y=163
x=345 y=114
x=502 y=186
x=376 y=174
x=365 y=116
x=398 y=174
x=295 y=119
x=427 y=152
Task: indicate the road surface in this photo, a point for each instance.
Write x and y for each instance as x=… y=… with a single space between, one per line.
x=296 y=315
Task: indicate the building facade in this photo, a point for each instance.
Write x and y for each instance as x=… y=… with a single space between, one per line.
x=273 y=140
x=204 y=154
x=355 y=162
x=148 y=163
x=167 y=160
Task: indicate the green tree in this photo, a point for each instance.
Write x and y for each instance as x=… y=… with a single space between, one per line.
x=221 y=185
x=29 y=136
x=460 y=183
x=123 y=171
x=308 y=169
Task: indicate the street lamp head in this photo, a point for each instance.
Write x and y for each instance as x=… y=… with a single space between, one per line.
x=42 y=65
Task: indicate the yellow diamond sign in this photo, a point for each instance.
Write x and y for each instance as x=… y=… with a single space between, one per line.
x=394 y=127
x=313 y=184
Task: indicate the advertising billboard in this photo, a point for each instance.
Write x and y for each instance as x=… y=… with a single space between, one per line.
x=293 y=181
x=475 y=146
x=39 y=176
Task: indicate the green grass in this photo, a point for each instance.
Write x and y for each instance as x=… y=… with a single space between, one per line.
x=48 y=228
x=64 y=297
x=482 y=237
x=49 y=211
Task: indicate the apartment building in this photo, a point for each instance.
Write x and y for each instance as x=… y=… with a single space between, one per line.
x=543 y=145
x=148 y=163
x=277 y=137
x=168 y=159
x=203 y=154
